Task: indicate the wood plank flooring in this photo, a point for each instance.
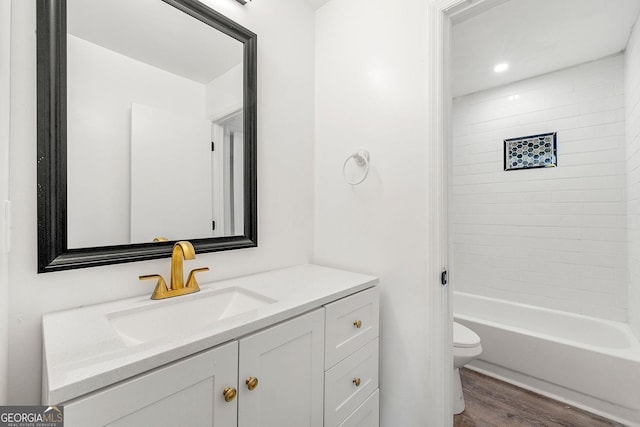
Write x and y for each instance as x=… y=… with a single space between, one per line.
x=490 y=402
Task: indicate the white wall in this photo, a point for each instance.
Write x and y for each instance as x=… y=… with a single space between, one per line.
x=632 y=100
x=371 y=86
x=285 y=183
x=5 y=130
x=102 y=86
x=224 y=94
x=552 y=237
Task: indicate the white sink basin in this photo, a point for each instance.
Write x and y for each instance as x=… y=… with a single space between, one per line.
x=183 y=315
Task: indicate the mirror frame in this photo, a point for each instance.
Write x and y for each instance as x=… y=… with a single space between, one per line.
x=53 y=251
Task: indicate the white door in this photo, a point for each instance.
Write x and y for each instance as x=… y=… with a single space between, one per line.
x=217 y=180
x=238 y=184
x=285 y=363
x=186 y=393
x=170 y=175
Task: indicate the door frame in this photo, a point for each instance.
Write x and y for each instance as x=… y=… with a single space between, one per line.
x=442 y=14
x=5 y=205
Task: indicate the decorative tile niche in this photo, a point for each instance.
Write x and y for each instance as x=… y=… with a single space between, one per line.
x=527 y=152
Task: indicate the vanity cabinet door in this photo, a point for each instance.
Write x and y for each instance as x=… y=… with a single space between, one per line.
x=284 y=367
x=185 y=393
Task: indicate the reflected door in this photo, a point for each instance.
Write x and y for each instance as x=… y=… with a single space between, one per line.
x=170 y=175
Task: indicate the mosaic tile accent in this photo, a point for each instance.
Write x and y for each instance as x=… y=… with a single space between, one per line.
x=526 y=152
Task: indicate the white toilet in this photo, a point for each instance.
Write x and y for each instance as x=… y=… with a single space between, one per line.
x=466 y=347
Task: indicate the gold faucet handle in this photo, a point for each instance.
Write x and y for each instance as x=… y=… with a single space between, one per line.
x=161 y=287
x=191 y=279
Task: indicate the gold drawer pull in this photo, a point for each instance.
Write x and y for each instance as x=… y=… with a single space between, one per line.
x=252 y=383
x=229 y=394
x=356 y=381
x=357 y=324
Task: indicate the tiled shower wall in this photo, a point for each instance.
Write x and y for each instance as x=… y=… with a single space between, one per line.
x=632 y=85
x=552 y=237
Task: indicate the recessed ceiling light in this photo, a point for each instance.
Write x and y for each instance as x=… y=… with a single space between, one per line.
x=501 y=67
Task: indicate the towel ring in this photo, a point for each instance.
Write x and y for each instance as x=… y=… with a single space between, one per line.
x=361 y=159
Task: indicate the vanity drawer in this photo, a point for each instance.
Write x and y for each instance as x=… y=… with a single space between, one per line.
x=367 y=414
x=350 y=323
x=348 y=384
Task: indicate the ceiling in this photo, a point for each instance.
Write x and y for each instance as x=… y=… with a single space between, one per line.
x=317 y=4
x=536 y=37
x=156 y=33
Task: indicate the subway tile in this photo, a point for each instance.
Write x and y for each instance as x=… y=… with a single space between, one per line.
x=493 y=146
x=590 y=132
x=553 y=208
x=583 y=120
x=590 y=158
x=604 y=234
x=605 y=208
x=588 y=196
x=610 y=103
x=556 y=99
x=488 y=208
x=585 y=83
x=632 y=104
x=469 y=159
x=476 y=198
x=570 y=219
x=605 y=298
x=634 y=192
x=614 y=248
x=593 y=144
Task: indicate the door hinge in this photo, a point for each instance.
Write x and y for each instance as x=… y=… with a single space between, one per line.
x=443 y=277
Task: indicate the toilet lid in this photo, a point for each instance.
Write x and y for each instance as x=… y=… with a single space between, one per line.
x=464 y=337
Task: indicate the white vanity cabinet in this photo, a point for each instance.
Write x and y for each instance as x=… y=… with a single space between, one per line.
x=277 y=374
x=305 y=354
x=351 y=361
x=185 y=393
x=287 y=361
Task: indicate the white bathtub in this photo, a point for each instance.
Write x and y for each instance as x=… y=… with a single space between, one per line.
x=589 y=363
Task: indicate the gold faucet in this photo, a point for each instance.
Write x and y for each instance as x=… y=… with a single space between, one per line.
x=182 y=250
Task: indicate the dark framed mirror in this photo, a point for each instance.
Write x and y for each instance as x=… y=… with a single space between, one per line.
x=147 y=128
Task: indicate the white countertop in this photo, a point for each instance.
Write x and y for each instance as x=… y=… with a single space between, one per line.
x=83 y=352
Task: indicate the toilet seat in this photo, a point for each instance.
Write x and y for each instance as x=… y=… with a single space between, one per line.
x=464 y=337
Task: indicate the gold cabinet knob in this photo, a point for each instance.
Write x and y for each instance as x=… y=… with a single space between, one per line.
x=252 y=383
x=356 y=381
x=357 y=324
x=229 y=394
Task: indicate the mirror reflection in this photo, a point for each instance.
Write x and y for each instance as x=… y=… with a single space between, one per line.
x=155 y=142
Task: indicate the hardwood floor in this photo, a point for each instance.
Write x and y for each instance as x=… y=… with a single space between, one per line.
x=490 y=402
